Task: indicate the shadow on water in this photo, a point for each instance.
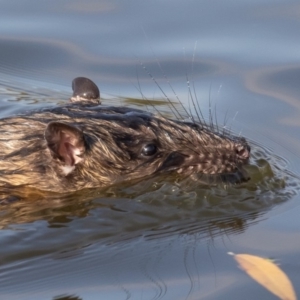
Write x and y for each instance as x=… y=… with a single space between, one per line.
x=129 y=238
x=94 y=229
x=67 y=298
x=162 y=238
x=143 y=236
x=159 y=206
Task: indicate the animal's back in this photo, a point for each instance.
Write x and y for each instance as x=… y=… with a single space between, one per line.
x=77 y=146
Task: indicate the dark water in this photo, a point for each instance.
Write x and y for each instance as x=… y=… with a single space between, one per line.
x=159 y=239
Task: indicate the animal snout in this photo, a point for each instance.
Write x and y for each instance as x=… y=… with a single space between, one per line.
x=243 y=151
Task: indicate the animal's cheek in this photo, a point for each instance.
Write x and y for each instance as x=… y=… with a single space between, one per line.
x=174 y=160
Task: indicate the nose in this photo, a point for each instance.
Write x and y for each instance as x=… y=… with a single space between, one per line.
x=243 y=151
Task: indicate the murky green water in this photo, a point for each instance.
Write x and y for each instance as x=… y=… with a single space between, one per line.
x=163 y=238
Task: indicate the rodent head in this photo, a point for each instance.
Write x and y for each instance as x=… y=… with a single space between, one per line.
x=131 y=144
x=83 y=144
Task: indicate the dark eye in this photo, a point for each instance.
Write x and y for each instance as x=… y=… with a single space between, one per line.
x=149 y=149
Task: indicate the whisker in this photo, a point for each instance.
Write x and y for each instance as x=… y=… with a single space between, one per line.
x=172 y=106
x=224 y=131
x=191 y=98
x=216 y=120
x=144 y=97
x=194 y=89
x=169 y=83
x=202 y=121
x=166 y=78
x=210 y=110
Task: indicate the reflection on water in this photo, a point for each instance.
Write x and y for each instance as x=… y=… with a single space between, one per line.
x=67 y=298
x=163 y=238
x=154 y=208
x=43 y=231
x=125 y=238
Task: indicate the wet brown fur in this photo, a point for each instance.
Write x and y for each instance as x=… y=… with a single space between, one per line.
x=111 y=149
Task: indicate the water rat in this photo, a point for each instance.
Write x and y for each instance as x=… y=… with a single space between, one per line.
x=84 y=144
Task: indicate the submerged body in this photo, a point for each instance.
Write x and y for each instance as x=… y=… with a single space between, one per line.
x=84 y=145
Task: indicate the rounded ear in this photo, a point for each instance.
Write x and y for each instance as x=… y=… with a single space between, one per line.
x=85 y=92
x=66 y=142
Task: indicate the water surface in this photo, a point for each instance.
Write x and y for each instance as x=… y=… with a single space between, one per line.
x=159 y=239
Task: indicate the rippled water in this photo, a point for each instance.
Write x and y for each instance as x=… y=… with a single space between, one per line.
x=162 y=238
